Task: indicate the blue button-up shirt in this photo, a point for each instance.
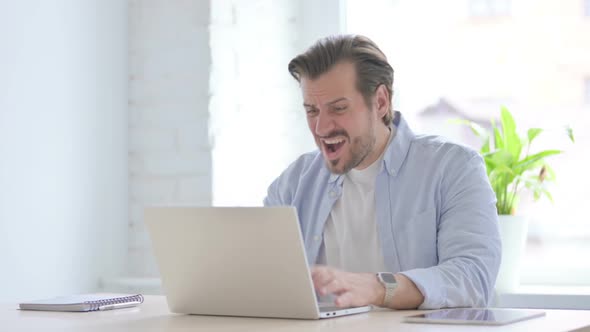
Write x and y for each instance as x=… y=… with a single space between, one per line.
x=435 y=209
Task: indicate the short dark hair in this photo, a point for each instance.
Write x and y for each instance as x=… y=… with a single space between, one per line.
x=372 y=68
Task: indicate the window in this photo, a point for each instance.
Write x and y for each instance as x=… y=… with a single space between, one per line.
x=587 y=8
x=246 y=161
x=460 y=67
x=489 y=8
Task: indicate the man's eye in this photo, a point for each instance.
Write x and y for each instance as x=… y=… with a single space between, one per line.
x=340 y=108
x=311 y=111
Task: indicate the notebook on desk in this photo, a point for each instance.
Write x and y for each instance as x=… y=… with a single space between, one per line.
x=83 y=303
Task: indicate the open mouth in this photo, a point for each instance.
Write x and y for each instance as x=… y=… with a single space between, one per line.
x=333 y=146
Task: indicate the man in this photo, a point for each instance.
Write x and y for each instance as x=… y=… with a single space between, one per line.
x=377 y=198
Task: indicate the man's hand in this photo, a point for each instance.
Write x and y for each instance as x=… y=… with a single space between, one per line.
x=350 y=289
x=359 y=289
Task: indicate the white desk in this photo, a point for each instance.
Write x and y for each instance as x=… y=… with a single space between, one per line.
x=153 y=315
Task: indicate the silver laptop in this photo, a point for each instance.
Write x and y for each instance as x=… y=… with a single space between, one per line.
x=235 y=262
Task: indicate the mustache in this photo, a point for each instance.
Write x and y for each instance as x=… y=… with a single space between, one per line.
x=335 y=133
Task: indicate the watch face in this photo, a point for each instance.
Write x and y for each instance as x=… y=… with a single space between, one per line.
x=388 y=278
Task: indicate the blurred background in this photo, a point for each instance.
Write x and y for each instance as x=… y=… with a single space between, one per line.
x=108 y=106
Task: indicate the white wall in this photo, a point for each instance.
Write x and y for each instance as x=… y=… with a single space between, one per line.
x=214 y=114
x=257 y=118
x=63 y=145
x=169 y=152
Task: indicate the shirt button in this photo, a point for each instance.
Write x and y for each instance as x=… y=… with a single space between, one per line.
x=332 y=194
x=316 y=238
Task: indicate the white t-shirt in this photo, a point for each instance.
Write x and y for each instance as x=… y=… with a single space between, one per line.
x=351 y=242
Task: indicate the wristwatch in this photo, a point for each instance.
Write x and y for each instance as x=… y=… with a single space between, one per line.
x=388 y=280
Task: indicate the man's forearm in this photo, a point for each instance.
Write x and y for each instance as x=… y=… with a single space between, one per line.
x=359 y=289
x=405 y=296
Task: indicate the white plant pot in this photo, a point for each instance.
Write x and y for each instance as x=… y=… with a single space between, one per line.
x=513 y=233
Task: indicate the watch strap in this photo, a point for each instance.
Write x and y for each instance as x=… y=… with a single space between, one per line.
x=389 y=289
x=388 y=298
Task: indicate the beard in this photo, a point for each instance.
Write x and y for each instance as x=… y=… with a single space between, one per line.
x=359 y=148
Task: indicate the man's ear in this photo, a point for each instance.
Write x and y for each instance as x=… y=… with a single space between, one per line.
x=382 y=100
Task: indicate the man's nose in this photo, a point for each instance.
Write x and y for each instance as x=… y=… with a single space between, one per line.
x=324 y=124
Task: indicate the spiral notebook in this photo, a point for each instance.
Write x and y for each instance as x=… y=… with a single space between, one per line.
x=83 y=303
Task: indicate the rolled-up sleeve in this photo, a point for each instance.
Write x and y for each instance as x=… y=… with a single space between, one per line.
x=468 y=241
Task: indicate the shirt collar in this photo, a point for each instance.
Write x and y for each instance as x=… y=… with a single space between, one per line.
x=396 y=151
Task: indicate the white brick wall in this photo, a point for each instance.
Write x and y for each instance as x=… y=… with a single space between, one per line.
x=169 y=149
x=218 y=67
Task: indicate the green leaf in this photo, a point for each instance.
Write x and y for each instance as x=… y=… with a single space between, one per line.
x=532 y=133
x=489 y=166
x=570 y=133
x=498 y=139
x=478 y=130
x=507 y=121
x=550 y=173
x=539 y=190
x=500 y=158
x=501 y=169
x=485 y=148
x=500 y=178
x=531 y=182
x=530 y=162
x=546 y=192
x=511 y=140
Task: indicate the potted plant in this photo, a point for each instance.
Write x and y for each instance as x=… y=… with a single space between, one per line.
x=511 y=167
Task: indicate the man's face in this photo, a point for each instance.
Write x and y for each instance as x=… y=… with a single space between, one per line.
x=341 y=123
